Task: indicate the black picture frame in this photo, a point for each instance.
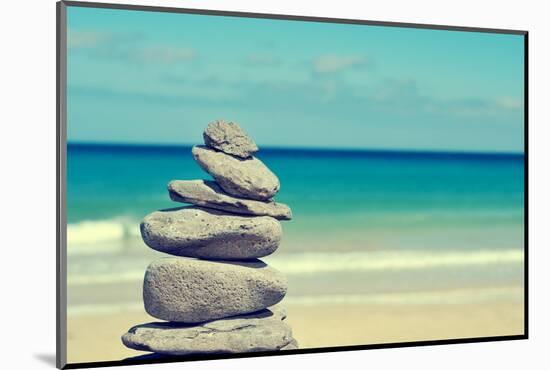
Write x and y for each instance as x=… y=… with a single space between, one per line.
x=61 y=157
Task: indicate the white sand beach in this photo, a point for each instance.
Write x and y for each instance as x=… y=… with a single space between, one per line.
x=96 y=337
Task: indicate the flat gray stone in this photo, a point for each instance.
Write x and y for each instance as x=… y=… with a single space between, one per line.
x=208 y=194
x=230 y=138
x=211 y=234
x=246 y=178
x=191 y=291
x=260 y=331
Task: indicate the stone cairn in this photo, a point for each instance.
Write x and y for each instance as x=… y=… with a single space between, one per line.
x=222 y=299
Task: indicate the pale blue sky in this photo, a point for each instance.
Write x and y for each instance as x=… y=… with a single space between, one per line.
x=146 y=77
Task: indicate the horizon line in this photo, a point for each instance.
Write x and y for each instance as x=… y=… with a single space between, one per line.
x=307 y=148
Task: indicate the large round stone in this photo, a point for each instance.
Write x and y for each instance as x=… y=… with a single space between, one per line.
x=247 y=178
x=211 y=234
x=191 y=291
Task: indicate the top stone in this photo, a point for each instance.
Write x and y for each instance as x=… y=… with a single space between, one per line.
x=229 y=138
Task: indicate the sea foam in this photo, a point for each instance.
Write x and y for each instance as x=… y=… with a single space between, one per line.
x=300 y=264
x=92 y=236
x=309 y=263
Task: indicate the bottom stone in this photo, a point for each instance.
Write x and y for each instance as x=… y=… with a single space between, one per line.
x=259 y=331
x=293 y=344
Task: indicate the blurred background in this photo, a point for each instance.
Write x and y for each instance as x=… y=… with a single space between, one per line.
x=400 y=152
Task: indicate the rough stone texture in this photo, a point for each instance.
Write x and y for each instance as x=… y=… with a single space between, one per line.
x=247 y=178
x=211 y=234
x=209 y=194
x=192 y=291
x=230 y=138
x=293 y=344
x=259 y=331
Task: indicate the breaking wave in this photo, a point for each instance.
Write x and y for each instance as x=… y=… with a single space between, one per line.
x=300 y=264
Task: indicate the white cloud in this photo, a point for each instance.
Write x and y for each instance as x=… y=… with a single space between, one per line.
x=475 y=107
x=263 y=59
x=392 y=90
x=162 y=54
x=126 y=46
x=85 y=39
x=509 y=103
x=336 y=63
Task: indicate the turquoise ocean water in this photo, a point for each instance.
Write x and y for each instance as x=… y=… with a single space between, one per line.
x=366 y=224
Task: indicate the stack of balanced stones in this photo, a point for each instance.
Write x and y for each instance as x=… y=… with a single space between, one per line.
x=216 y=296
